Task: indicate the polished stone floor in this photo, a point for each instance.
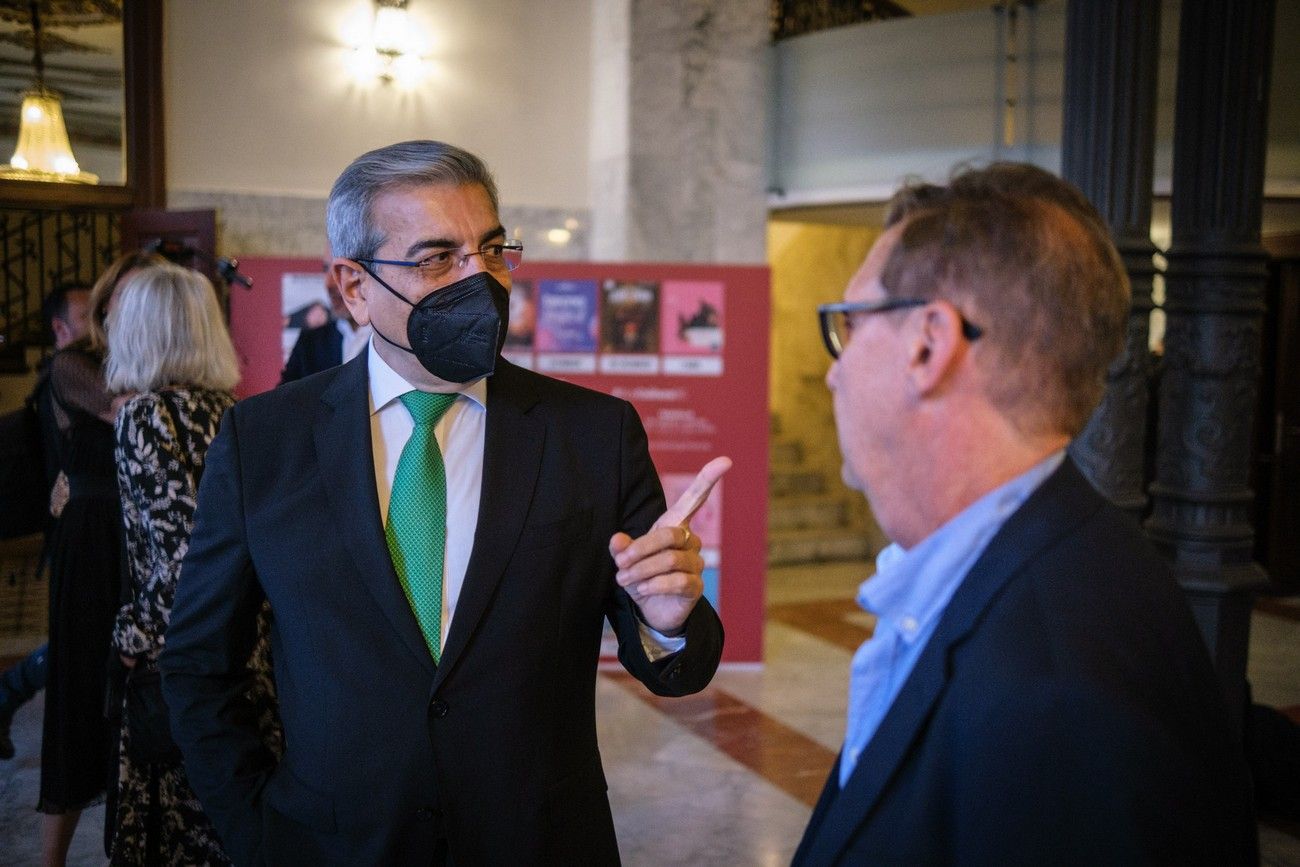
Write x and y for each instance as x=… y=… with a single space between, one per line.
x=727 y=777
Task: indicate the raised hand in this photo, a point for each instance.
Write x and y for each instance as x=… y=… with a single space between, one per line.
x=661 y=570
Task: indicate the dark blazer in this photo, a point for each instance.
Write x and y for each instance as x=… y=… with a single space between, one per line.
x=1064 y=712
x=494 y=749
x=316 y=349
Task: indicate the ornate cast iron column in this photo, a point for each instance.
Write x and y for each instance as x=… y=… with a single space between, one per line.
x=1108 y=151
x=1215 y=304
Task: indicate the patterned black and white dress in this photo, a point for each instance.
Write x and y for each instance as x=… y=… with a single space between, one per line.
x=162 y=440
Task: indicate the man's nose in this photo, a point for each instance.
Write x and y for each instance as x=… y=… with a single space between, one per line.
x=471 y=264
x=832 y=375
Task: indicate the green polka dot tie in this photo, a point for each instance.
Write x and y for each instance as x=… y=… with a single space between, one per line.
x=417 y=516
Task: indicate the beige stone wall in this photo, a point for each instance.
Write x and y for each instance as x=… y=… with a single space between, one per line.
x=811 y=264
x=679 y=130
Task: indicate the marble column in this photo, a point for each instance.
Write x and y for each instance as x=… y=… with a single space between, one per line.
x=1108 y=151
x=679 y=103
x=1214 y=305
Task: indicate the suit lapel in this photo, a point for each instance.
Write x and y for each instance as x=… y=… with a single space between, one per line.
x=1060 y=504
x=342 y=434
x=512 y=457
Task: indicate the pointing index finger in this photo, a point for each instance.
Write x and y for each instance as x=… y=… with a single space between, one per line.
x=695 y=496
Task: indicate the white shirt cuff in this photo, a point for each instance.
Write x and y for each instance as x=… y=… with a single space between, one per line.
x=657 y=645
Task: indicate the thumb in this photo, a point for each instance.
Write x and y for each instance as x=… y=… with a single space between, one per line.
x=618 y=543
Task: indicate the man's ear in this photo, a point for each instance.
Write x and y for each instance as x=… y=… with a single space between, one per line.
x=350 y=279
x=936 y=347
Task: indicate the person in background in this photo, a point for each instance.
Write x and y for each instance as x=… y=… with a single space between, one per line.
x=85 y=580
x=168 y=347
x=1035 y=690
x=66 y=314
x=18 y=685
x=329 y=345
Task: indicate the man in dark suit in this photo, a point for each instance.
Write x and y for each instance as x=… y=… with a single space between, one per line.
x=66 y=311
x=324 y=346
x=316 y=349
x=1035 y=690
x=435 y=666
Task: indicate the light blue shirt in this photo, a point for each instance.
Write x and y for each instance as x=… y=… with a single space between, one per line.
x=908 y=595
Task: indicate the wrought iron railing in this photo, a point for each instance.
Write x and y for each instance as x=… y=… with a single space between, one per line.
x=40 y=249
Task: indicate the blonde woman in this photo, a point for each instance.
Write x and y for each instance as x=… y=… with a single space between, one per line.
x=169 y=348
x=105 y=288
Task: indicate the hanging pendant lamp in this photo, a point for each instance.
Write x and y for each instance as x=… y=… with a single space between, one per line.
x=43 y=152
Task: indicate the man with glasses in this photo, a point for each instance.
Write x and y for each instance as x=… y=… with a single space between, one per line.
x=439 y=535
x=1035 y=690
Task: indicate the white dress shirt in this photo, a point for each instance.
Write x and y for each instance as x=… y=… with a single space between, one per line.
x=460 y=434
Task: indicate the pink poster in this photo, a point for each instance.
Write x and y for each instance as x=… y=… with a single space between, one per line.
x=691 y=321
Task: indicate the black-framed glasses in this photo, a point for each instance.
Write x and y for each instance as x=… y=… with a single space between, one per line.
x=498 y=258
x=837 y=319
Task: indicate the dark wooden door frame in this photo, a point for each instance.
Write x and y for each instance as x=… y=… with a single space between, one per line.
x=1276 y=462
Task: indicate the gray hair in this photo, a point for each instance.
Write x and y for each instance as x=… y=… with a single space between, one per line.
x=166 y=327
x=348 y=217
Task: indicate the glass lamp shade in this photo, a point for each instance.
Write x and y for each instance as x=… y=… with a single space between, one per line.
x=43 y=152
x=392 y=31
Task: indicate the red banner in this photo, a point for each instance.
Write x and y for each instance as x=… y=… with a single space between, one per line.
x=686 y=344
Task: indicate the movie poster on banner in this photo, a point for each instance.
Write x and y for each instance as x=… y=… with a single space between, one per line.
x=629 y=327
x=692 y=327
x=566 y=326
x=687 y=346
x=521 y=334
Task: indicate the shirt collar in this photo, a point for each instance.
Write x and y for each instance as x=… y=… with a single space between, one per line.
x=387 y=385
x=912 y=587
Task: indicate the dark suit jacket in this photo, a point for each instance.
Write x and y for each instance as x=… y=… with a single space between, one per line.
x=1064 y=712
x=494 y=749
x=316 y=349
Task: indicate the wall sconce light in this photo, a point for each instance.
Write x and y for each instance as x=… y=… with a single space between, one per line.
x=43 y=152
x=393 y=51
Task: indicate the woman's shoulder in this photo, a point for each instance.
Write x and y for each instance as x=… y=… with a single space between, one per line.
x=178 y=397
x=197 y=397
x=141 y=409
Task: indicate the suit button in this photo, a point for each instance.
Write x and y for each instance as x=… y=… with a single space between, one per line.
x=438 y=708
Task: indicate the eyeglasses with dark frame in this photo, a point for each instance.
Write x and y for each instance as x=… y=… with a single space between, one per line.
x=837 y=324
x=498 y=258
